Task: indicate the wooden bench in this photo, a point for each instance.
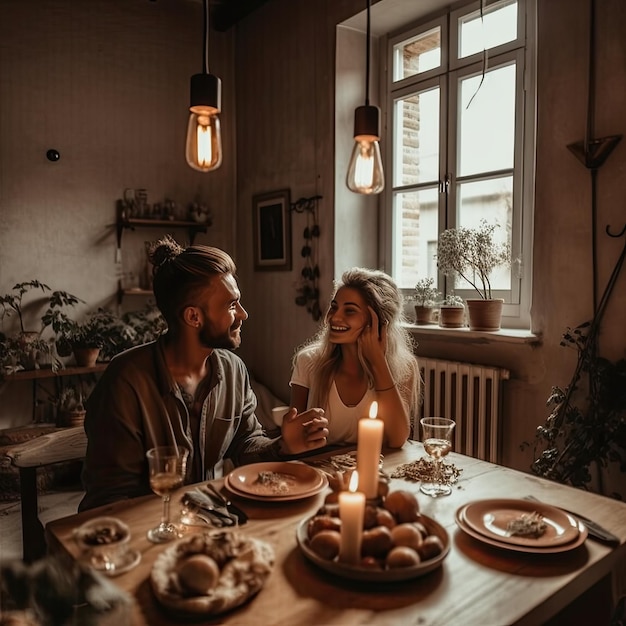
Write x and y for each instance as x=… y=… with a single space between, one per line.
x=64 y=444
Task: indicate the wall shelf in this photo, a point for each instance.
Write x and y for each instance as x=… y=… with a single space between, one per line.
x=131 y=223
x=49 y=373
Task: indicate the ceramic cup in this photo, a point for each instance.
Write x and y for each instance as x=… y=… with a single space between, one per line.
x=278 y=412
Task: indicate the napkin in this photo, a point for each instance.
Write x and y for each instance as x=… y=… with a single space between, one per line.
x=200 y=501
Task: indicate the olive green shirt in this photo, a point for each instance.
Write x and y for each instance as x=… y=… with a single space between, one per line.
x=136 y=405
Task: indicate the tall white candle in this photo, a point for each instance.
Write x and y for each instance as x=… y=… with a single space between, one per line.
x=351 y=511
x=369 y=444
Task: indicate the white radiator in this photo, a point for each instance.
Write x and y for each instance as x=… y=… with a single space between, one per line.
x=470 y=394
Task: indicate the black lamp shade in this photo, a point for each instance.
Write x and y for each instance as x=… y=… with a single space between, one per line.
x=205 y=93
x=367 y=122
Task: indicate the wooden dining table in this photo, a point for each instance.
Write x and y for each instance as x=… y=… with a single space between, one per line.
x=476 y=583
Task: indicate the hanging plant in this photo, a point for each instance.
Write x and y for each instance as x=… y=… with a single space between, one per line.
x=587 y=425
x=307 y=289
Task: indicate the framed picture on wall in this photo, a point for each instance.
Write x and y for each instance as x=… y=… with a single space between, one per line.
x=272 y=230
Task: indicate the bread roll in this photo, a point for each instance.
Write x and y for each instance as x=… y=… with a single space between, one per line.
x=198 y=574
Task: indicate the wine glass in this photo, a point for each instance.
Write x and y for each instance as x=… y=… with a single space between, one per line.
x=437 y=438
x=167 y=470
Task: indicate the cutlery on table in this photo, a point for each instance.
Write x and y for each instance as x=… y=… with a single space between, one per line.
x=199 y=502
x=233 y=509
x=595 y=530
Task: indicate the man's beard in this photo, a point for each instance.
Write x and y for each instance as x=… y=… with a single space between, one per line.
x=224 y=340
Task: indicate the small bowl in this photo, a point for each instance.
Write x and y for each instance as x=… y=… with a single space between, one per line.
x=278 y=412
x=104 y=542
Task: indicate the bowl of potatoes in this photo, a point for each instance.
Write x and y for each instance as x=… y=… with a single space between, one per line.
x=398 y=542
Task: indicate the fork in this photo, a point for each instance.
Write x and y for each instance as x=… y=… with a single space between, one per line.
x=241 y=516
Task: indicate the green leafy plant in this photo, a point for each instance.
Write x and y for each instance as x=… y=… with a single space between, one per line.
x=95 y=331
x=70 y=399
x=13 y=302
x=425 y=293
x=587 y=423
x=472 y=254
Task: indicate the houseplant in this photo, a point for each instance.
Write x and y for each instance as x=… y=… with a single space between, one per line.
x=472 y=254
x=85 y=338
x=28 y=349
x=425 y=296
x=70 y=407
x=452 y=312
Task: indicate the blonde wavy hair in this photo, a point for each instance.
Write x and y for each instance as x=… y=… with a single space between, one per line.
x=381 y=293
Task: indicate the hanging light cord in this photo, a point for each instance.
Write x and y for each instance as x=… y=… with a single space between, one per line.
x=205 y=38
x=367 y=57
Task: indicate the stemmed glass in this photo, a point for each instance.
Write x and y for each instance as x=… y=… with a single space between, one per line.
x=437 y=438
x=167 y=470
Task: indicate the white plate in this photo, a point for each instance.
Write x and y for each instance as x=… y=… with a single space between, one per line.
x=462 y=524
x=354 y=572
x=289 y=498
x=491 y=518
x=295 y=480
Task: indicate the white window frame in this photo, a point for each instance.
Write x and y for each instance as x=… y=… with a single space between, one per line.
x=516 y=312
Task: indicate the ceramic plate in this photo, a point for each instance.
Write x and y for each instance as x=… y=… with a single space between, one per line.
x=491 y=518
x=355 y=572
x=462 y=524
x=276 y=481
x=298 y=496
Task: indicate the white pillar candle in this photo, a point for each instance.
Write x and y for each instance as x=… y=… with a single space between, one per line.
x=369 y=443
x=351 y=511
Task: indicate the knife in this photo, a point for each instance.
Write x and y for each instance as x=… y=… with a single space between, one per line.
x=233 y=509
x=595 y=530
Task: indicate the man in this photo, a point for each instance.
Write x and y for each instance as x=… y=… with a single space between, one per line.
x=187 y=388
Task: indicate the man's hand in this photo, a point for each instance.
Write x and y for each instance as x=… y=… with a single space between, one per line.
x=305 y=431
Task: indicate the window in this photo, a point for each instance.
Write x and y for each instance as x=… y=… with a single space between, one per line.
x=460 y=141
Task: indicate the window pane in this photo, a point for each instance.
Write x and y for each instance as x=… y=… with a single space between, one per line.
x=418 y=54
x=416 y=138
x=491 y=200
x=497 y=26
x=416 y=227
x=487 y=122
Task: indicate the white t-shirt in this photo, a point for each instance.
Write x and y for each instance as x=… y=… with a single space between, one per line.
x=343 y=420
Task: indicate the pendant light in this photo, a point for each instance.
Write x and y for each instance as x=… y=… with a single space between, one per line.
x=203 y=149
x=365 y=171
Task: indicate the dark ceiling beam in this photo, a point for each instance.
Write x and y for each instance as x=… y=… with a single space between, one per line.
x=226 y=13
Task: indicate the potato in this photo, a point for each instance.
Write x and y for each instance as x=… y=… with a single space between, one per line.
x=326 y=544
x=406 y=535
x=322 y=522
x=376 y=542
x=385 y=518
x=369 y=516
x=431 y=547
x=403 y=505
x=402 y=556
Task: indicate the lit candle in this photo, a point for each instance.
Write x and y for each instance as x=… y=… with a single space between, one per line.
x=369 y=443
x=351 y=511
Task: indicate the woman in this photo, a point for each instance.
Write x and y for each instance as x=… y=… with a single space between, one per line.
x=361 y=353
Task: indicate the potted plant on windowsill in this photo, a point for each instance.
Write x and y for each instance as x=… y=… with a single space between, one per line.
x=472 y=254
x=452 y=312
x=425 y=296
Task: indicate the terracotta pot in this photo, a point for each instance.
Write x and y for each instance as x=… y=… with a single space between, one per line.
x=485 y=315
x=452 y=316
x=423 y=314
x=86 y=357
x=68 y=418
